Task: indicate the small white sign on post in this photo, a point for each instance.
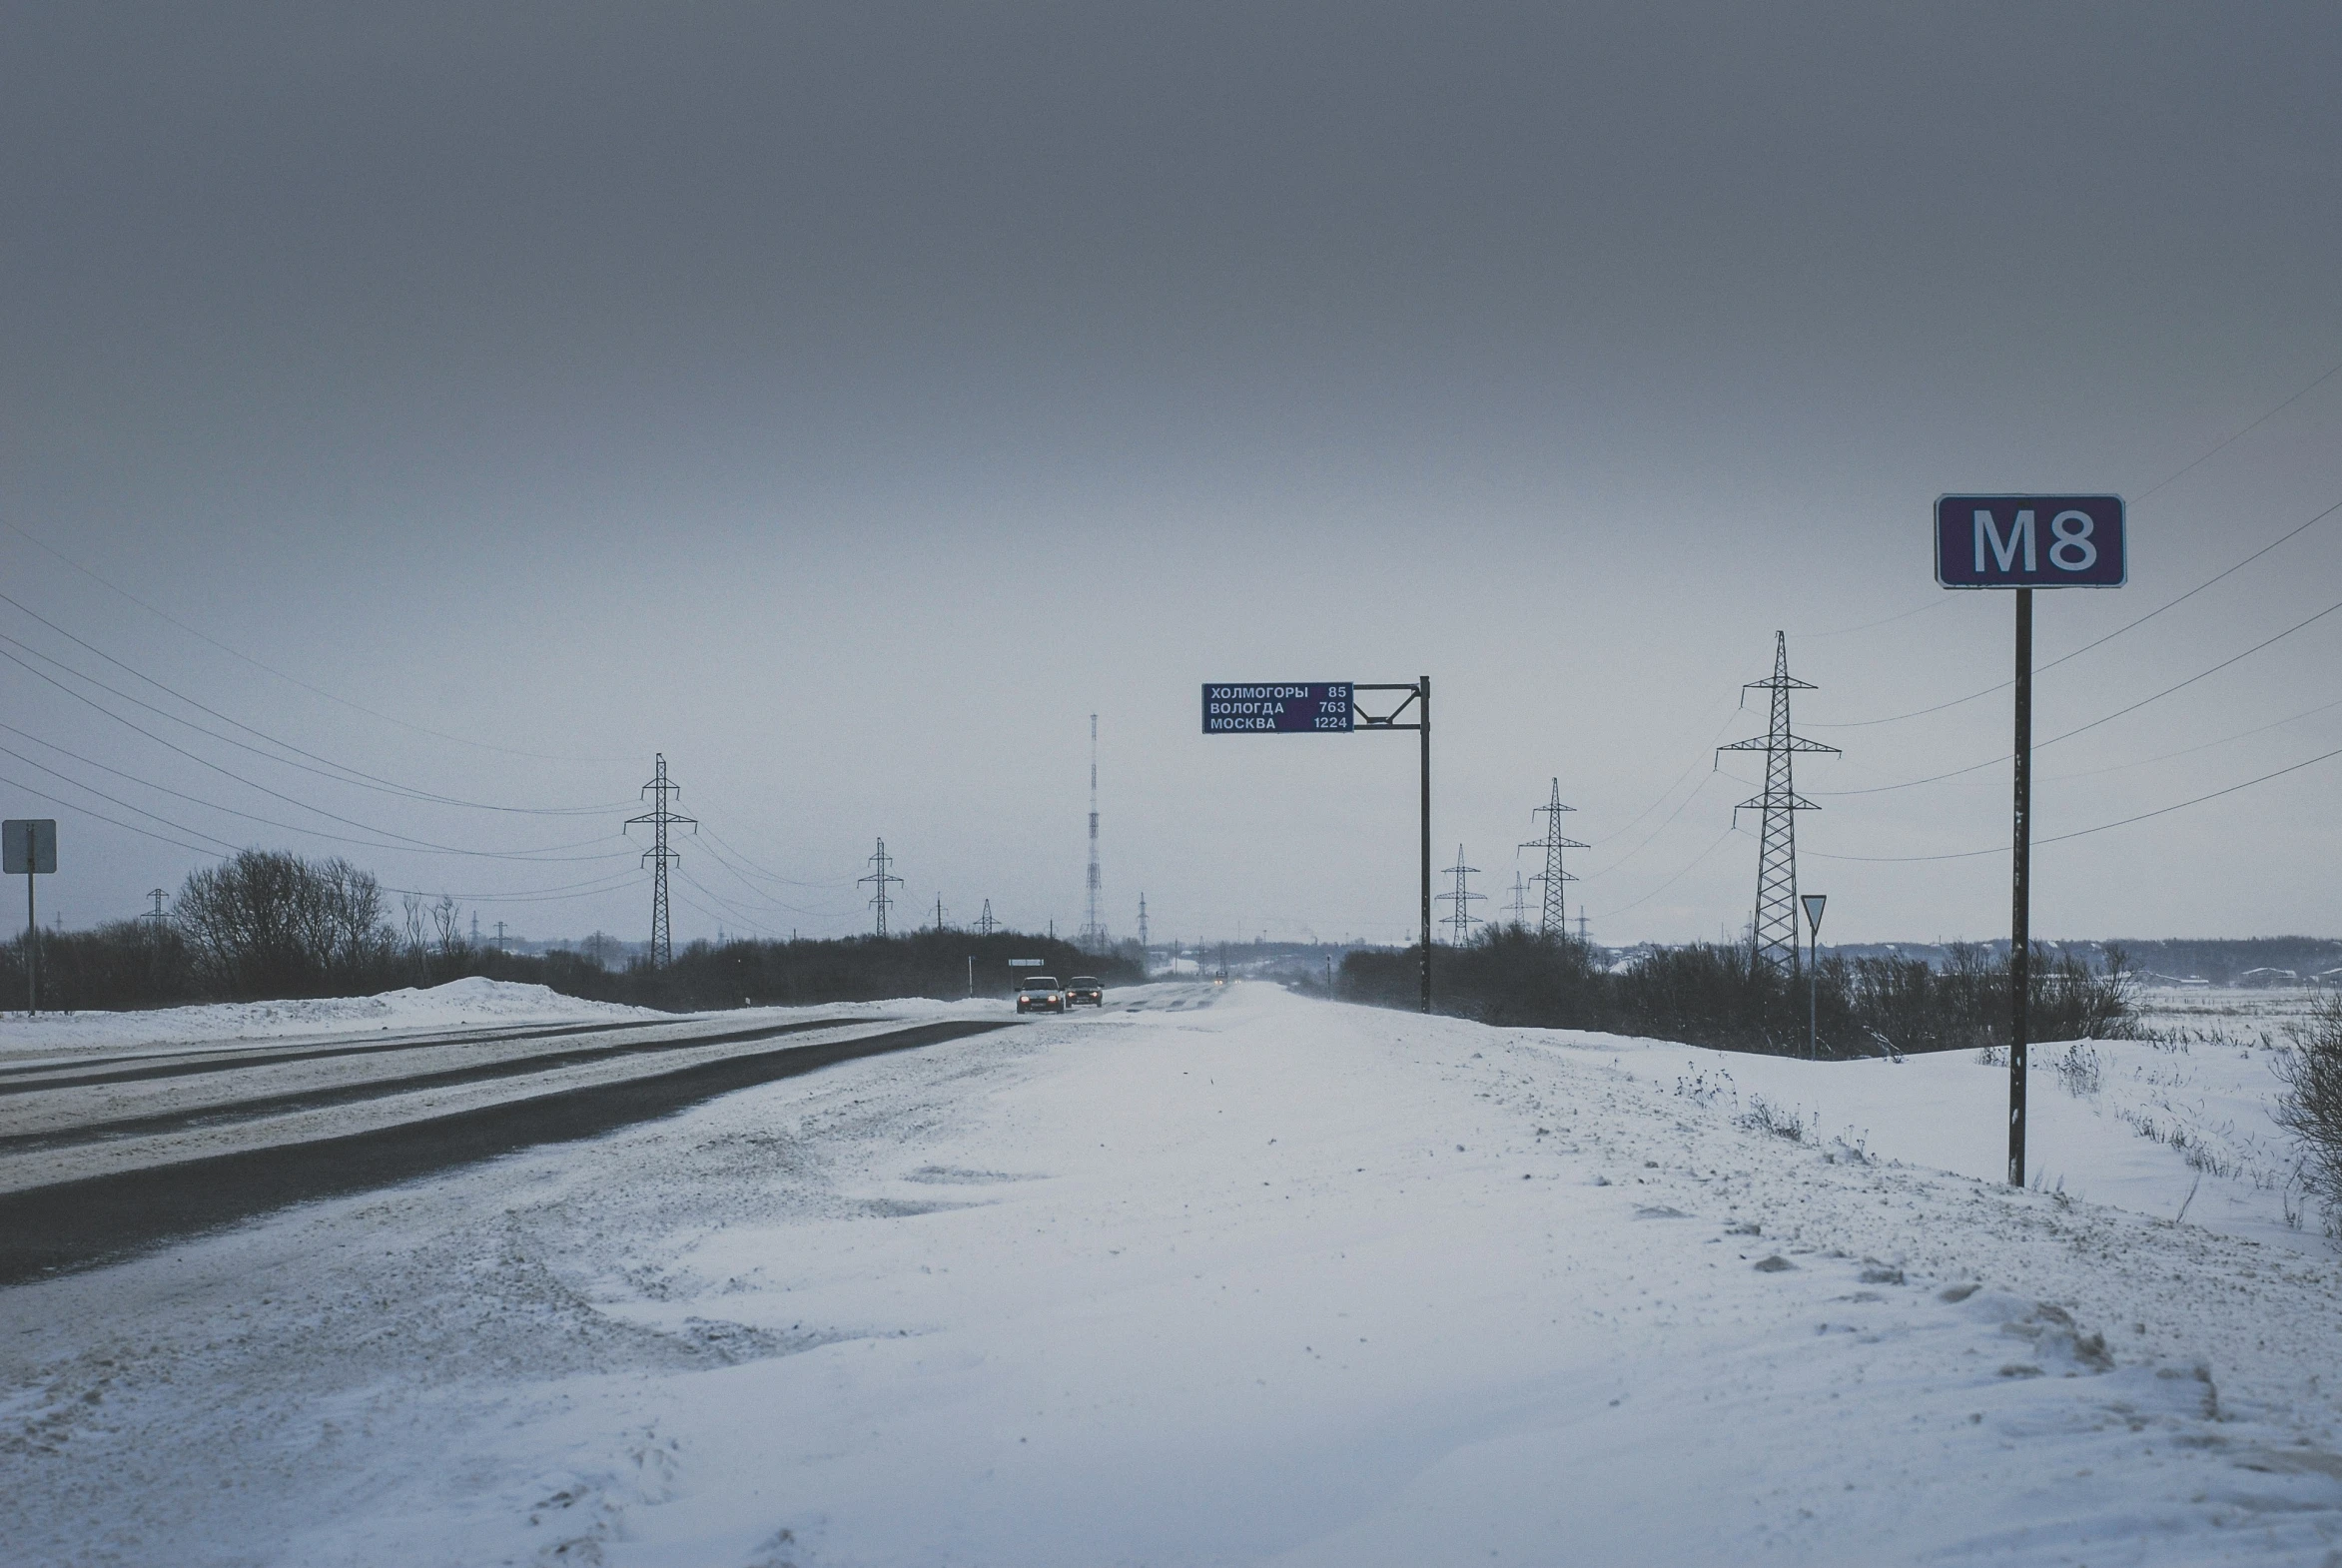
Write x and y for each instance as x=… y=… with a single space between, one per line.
x=1024 y=962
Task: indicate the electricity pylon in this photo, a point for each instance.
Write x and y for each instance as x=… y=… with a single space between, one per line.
x=1141 y=927
x=984 y=923
x=659 y=819
x=1460 y=920
x=1520 y=902
x=1552 y=922
x=1772 y=934
x=879 y=875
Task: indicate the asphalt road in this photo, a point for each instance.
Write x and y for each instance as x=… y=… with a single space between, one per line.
x=73 y=1224
x=356 y=1090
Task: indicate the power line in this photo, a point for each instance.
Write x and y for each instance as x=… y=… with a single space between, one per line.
x=202 y=761
x=2163 y=811
x=769 y=875
x=209 y=805
x=341 y=772
x=2240 y=435
x=1895 y=718
x=2167 y=481
x=1880 y=789
x=1687 y=870
x=163 y=615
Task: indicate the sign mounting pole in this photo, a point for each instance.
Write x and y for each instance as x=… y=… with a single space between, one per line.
x=1996 y=542
x=2021 y=898
x=29 y=845
x=1331 y=708
x=1423 y=692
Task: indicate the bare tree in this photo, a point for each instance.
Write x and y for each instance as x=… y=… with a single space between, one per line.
x=267 y=923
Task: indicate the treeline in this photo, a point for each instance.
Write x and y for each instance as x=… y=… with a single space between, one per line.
x=269 y=926
x=1722 y=996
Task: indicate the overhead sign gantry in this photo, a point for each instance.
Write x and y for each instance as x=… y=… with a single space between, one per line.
x=1333 y=707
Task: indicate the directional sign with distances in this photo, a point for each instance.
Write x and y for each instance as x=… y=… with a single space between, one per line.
x=2030 y=541
x=1293 y=708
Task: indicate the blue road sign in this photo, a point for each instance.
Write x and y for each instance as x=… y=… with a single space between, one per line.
x=1293 y=708
x=2030 y=541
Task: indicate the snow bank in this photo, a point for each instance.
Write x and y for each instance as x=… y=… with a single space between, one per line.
x=2156 y=1129
x=459 y=1001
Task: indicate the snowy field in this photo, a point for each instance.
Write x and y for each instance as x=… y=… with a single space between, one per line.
x=2176 y=1124
x=1237 y=1278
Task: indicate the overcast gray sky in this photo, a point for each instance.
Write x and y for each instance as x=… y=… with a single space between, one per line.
x=847 y=401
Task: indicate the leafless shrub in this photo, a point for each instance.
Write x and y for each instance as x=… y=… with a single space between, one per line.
x=2310 y=1107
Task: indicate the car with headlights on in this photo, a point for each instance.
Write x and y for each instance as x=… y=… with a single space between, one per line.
x=1041 y=994
x=1085 y=988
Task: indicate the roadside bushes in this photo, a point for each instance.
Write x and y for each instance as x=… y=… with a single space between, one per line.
x=266 y=925
x=1721 y=996
x=2311 y=1105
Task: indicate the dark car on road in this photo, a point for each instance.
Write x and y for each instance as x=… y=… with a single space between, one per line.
x=1084 y=988
x=1041 y=994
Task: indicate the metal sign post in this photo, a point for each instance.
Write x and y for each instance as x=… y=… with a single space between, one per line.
x=1813 y=903
x=1331 y=708
x=29 y=846
x=2026 y=542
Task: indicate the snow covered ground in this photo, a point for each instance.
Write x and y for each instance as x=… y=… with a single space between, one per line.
x=1234 y=1277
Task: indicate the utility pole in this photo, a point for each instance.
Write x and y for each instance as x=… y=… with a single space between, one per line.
x=1092 y=938
x=1460 y=919
x=660 y=819
x=1554 y=921
x=984 y=923
x=1772 y=933
x=879 y=875
x=939 y=912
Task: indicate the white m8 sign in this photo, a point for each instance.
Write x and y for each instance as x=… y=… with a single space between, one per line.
x=2030 y=541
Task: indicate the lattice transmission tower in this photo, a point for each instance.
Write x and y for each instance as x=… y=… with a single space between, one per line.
x=1520 y=901
x=879 y=875
x=984 y=923
x=659 y=819
x=1092 y=937
x=1460 y=920
x=1141 y=925
x=1772 y=934
x=1552 y=922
